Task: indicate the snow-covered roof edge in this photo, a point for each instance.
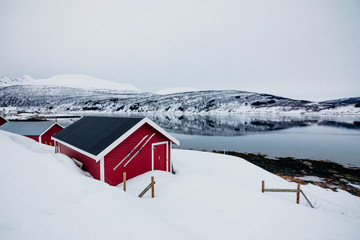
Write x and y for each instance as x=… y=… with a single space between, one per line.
x=55 y=123
x=28 y=128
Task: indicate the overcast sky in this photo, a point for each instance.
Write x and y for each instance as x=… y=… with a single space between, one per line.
x=304 y=49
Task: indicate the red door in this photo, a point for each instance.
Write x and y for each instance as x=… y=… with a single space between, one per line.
x=160 y=157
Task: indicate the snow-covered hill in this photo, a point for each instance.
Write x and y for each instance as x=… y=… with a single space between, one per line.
x=83 y=82
x=176 y=90
x=9 y=81
x=83 y=93
x=212 y=196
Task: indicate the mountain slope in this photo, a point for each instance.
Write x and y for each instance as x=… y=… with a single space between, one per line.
x=83 y=82
x=84 y=93
x=10 y=81
x=175 y=90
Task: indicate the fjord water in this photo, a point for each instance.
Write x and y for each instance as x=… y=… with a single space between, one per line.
x=318 y=138
x=314 y=142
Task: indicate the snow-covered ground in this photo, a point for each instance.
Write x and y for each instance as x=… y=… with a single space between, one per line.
x=212 y=196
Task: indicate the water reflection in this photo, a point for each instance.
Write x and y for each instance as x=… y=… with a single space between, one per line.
x=236 y=125
x=239 y=125
x=333 y=138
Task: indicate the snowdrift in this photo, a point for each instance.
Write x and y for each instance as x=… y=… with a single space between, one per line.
x=212 y=196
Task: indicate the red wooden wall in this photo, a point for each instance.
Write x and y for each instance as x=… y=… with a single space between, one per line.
x=2 y=121
x=140 y=164
x=46 y=137
x=36 y=138
x=90 y=164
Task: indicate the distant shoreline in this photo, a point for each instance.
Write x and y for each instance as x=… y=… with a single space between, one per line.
x=325 y=174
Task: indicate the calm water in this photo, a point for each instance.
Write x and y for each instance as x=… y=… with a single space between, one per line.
x=316 y=142
x=334 y=138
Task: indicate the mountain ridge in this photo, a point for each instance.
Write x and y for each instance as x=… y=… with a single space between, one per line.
x=10 y=81
x=26 y=94
x=70 y=80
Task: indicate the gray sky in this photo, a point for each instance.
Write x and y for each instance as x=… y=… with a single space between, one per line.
x=304 y=49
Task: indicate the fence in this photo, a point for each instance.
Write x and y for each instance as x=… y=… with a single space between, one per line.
x=297 y=191
x=150 y=186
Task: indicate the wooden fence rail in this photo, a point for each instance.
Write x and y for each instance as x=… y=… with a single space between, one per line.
x=151 y=185
x=297 y=191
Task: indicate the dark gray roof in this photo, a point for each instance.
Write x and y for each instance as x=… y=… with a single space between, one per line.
x=94 y=134
x=27 y=128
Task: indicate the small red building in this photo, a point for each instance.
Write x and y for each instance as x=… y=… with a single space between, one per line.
x=109 y=146
x=2 y=120
x=40 y=131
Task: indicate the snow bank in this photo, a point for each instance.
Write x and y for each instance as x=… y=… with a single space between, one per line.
x=212 y=196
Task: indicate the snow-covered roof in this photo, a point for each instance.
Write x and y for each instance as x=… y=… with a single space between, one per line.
x=27 y=128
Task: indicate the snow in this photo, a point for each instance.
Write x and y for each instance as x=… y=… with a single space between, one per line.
x=355 y=185
x=311 y=178
x=176 y=90
x=82 y=81
x=212 y=196
x=8 y=81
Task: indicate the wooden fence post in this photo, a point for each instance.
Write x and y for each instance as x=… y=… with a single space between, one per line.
x=298 y=194
x=124 y=181
x=152 y=187
x=262 y=186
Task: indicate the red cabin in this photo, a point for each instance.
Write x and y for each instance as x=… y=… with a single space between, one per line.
x=109 y=146
x=40 y=131
x=2 y=120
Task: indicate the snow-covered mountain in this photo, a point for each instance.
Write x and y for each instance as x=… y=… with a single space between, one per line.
x=176 y=90
x=84 y=93
x=9 y=81
x=79 y=81
x=83 y=82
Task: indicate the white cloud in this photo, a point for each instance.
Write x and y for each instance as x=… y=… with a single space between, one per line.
x=301 y=49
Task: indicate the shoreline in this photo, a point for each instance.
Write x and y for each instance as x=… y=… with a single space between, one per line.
x=324 y=174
